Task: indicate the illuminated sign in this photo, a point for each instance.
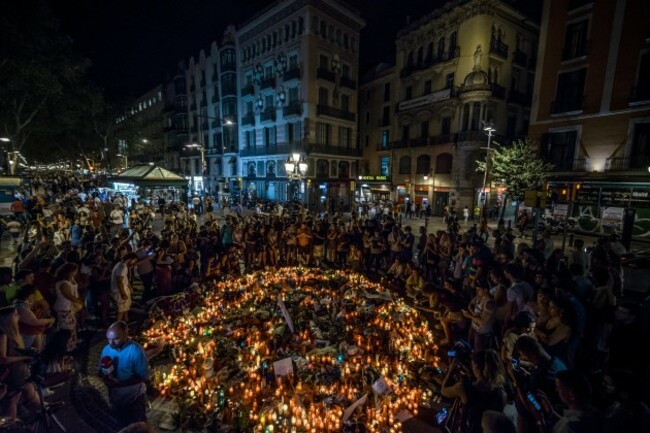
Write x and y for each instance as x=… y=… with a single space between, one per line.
x=374 y=178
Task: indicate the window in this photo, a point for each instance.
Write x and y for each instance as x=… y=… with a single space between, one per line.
x=269 y=136
x=323 y=29
x=323 y=62
x=405 y=165
x=446 y=125
x=367 y=117
x=344 y=169
x=290 y=133
x=420 y=56
x=408 y=94
x=385 y=116
x=429 y=51
x=384 y=166
x=268 y=101
x=384 y=138
x=640 y=154
x=452 y=44
x=449 y=81
x=558 y=148
x=443 y=163
x=387 y=92
x=345 y=102
x=423 y=164
x=228 y=84
x=570 y=87
x=345 y=71
x=424 y=129
x=405 y=133
x=293 y=62
x=322 y=168
x=323 y=96
x=344 y=137
x=249 y=137
x=409 y=61
x=441 y=48
x=427 y=87
x=575 y=40
x=323 y=133
x=476 y=116
x=293 y=94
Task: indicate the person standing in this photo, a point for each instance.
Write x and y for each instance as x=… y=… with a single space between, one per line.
x=465 y=214
x=125 y=375
x=120 y=287
x=145 y=268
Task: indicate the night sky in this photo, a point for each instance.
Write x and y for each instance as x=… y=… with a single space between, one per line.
x=133 y=43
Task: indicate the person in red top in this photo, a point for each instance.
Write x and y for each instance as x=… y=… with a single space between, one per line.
x=18 y=209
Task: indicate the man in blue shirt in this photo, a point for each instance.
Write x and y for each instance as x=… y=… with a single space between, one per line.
x=130 y=371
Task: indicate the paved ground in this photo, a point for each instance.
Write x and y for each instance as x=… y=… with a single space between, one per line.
x=86 y=409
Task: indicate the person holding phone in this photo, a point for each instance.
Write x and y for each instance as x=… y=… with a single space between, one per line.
x=483 y=390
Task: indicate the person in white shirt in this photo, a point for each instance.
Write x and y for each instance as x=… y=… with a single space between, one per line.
x=120 y=288
x=117 y=219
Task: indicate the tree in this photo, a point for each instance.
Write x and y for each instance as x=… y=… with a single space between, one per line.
x=38 y=68
x=516 y=167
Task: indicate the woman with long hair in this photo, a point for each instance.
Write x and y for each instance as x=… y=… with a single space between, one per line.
x=479 y=391
x=32 y=328
x=68 y=303
x=12 y=364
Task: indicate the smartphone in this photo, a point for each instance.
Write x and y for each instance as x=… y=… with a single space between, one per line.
x=531 y=398
x=442 y=415
x=451 y=353
x=515 y=364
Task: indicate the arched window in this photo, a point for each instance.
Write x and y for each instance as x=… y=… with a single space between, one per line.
x=344 y=169
x=251 y=169
x=443 y=163
x=452 y=44
x=405 y=165
x=476 y=116
x=423 y=164
x=270 y=169
x=322 y=168
x=441 y=48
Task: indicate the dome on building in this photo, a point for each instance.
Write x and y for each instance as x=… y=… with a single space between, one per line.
x=476 y=78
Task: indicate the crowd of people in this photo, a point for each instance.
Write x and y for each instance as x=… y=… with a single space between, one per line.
x=535 y=340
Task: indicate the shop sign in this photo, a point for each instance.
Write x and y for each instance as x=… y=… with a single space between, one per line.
x=425 y=100
x=374 y=178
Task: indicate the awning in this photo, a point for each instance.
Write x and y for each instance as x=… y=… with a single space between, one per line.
x=150 y=175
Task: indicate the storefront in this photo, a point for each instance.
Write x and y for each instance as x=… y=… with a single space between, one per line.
x=149 y=181
x=421 y=194
x=598 y=207
x=373 y=189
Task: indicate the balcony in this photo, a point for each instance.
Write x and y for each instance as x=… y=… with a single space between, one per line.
x=499 y=48
x=325 y=75
x=269 y=83
x=268 y=115
x=634 y=163
x=348 y=82
x=291 y=74
x=294 y=108
x=333 y=150
x=575 y=51
x=640 y=94
x=248 y=90
x=325 y=110
x=452 y=54
x=248 y=119
x=519 y=58
x=577 y=164
x=516 y=97
x=568 y=105
x=418 y=142
x=472 y=136
x=272 y=149
x=498 y=91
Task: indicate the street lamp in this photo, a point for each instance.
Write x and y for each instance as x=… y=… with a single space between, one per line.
x=296 y=168
x=487 y=127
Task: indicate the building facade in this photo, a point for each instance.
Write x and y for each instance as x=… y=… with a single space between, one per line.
x=591 y=111
x=297 y=63
x=175 y=117
x=466 y=63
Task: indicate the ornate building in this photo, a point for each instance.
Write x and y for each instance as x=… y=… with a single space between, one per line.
x=297 y=63
x=468 y=62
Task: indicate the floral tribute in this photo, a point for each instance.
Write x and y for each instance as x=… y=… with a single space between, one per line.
x=294 y=350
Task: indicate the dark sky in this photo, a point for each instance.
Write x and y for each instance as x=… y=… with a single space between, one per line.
x=132 y=43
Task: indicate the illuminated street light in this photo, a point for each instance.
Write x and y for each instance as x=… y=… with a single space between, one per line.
x=489 y=128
